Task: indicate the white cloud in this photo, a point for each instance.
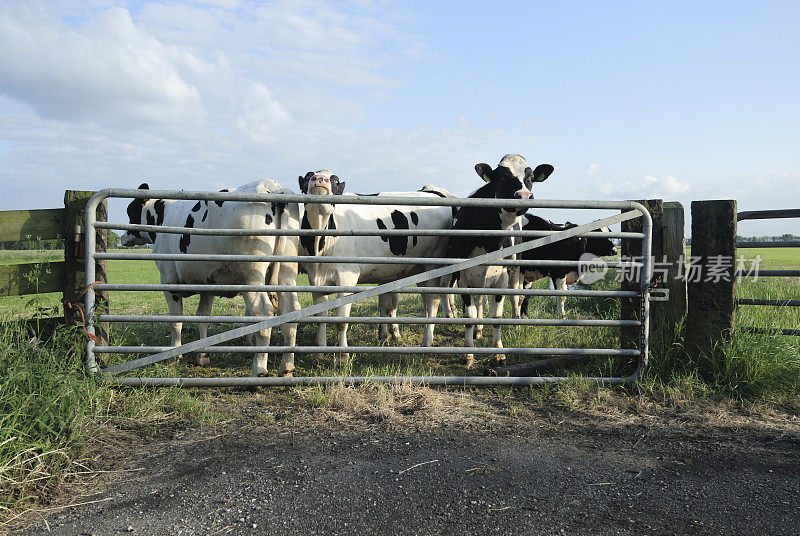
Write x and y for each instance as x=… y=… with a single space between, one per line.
x=648 y=188
x=109 y=71
x=261 y=116
x=593 y=168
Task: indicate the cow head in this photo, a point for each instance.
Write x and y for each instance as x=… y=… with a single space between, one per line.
x=140 y=211
x=513 y=178
x=602 y=247
x=321 y=182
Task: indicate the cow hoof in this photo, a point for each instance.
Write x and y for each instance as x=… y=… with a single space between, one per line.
x=259 y=372
x=469 y=361
x=287 y=374
x=203 y=360
x=499 y=362
x=478 y=335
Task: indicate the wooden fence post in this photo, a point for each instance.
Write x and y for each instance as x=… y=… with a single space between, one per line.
x=711 y=282
x=75 y=273
x=674 y=279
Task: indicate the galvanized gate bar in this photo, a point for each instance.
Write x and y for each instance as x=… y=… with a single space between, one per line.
x=345 y=232
x=380 y=289
x=377 y=320
x=375 y=349
x=437 y=261
x=330 y=289
x=778 y=303
x=359 y=380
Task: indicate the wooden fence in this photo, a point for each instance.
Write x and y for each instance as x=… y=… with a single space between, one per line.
x=67 y=276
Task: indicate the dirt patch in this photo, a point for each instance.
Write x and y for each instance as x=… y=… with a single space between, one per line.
x=402 y=459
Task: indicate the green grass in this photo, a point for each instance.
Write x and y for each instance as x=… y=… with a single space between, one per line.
x=53 y=414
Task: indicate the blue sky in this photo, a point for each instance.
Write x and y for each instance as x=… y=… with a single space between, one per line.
x=680 y=100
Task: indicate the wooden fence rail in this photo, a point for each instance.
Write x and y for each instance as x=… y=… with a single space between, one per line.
x=64 y=276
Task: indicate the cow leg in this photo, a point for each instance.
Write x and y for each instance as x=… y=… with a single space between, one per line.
x=259 y=304
x=175 y=306
x=480 y=302
x=470 y=311
x=525 y=301
x=341 y=327
x=204 y=309
x=288 y=302
x=496 y=311
x=387 y=303
x=431 y=308
x=515 y=282
x=561 y=284
x=322 y=334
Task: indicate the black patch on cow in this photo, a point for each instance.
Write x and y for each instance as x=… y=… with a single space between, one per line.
x=185 y=238
x=466 y=299
x=414 y=218
x=267 y=218
x=196 y=207
x=175 y=297
x=367 y=195
x=135 y=214
x=398 y=245
x=219 y=203
x=159 y=206
x=278 y=207
x=205 y=214
x=151 y=220
x=306 y=241
x=498 y=298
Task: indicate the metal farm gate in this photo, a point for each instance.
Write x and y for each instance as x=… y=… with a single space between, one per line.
x=622 y=211
x=768 y=215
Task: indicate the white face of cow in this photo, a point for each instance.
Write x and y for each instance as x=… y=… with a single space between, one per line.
x=321 y=182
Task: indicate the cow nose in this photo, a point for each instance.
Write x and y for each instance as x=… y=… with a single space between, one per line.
x=523 y=194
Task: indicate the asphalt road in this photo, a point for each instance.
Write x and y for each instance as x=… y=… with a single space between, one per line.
x=556 y=478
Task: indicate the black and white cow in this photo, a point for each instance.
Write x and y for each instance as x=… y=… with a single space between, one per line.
x=571 y=249
x=225 y=215
x=344 y=216
x=511 y=179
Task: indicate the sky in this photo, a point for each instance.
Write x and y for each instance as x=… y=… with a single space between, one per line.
x=628 y=100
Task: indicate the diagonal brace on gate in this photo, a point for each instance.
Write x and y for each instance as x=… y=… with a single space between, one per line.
x=368 y=293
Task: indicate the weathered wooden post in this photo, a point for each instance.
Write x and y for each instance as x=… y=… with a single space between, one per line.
x=629 y=337
x=711 y=282
x=674 y=244
x=74 y=273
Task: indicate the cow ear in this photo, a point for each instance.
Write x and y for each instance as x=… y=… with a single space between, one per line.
x=144 y=186
x=337 y=188
x=303 y=181
x=541 y=172
x=484 y=171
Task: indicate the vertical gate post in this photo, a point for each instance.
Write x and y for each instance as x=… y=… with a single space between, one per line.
x=75 y=272
x=711 y=293
x=629 y=307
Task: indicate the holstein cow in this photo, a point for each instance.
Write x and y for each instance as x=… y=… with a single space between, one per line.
x=227 y=215
x=344 y=216
x=571 y=249
x=511 y=179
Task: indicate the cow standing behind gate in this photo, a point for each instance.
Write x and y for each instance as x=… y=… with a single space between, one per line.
x=225 y=215
x=511 y=179
x=351 y=217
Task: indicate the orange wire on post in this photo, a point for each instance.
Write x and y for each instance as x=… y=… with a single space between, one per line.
x=74 y=305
